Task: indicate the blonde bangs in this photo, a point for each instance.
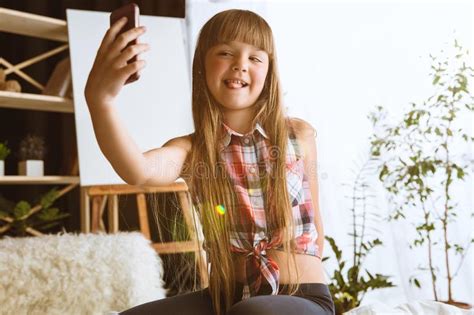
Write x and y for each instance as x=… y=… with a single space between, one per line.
x=240 y=25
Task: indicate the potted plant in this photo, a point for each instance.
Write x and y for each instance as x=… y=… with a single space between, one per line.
x=4 y=152
x=31 y=154
x=349 y=283
x=21 y=219
x=420 y=163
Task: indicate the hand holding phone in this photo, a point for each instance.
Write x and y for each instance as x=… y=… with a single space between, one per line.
x=132 y=13
x=116 y=62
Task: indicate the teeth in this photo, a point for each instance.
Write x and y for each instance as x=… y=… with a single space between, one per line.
x=236 y=82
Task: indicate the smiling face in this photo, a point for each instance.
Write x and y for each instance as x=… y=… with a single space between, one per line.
x=235 y=74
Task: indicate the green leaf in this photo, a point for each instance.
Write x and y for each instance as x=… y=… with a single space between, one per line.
x=341 y=265
x=49 y=214
x=460 y=172
x=4 y=150
x=339 y=279
x=413 y=170
x=377 y=242
x=334 y=248
x=353 y=274
x=48 y=199
x=21 y=209
x=417 y=283
x=383 y=172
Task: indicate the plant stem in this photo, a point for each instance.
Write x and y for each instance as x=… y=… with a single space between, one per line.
x=430 y=255
x=445 y=218
x=354 y=231
x=359 y=176
x=364 y=211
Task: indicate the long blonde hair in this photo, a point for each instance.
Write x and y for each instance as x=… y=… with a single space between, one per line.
x=210 y=185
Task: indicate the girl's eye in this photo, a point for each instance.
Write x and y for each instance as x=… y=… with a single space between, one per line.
x=225 y=53
x=256 y=59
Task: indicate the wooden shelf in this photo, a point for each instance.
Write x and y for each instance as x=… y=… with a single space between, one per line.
x=41 y=180
x=36 y=102
x=34 y=25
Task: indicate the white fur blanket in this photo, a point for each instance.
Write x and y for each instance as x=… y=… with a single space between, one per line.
x=78 y=274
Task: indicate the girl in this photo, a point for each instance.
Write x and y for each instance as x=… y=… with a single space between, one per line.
x=251 y=170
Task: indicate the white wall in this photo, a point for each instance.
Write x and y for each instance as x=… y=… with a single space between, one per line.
x=337 y=61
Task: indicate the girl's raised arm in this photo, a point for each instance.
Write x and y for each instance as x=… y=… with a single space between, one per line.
x=164 y=165
x=107 y=77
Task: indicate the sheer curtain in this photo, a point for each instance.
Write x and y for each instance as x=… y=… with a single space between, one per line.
x=339 y=60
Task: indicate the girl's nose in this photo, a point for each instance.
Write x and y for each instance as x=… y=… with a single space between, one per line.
x=239 y=65
x=239 y=68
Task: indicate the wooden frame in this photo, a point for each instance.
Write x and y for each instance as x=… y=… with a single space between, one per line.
x=34 y=25
x=95 y=198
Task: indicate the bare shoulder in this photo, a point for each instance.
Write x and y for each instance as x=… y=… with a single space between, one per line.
x=302 y=128
x=182 y=142
x=305 y=136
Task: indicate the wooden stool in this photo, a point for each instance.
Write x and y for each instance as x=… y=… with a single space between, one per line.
x=91 y=218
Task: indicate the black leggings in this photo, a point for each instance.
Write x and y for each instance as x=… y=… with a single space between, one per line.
x=310 y=299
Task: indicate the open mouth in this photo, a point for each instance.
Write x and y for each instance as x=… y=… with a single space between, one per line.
x=235 y=84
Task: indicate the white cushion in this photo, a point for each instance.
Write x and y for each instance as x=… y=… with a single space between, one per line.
x=411 y=308
x=78 y=274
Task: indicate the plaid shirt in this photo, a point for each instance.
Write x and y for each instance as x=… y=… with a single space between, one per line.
x=246 y=157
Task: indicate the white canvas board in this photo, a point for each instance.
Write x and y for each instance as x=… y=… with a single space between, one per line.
x=153 y=109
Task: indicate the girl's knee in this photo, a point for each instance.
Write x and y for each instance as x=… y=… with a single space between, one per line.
x=259 y=305
x=277 y=305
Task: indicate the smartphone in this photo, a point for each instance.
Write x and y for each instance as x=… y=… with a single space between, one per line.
x=132 y=12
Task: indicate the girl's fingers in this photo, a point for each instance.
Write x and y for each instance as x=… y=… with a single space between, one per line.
x=130 y=52
x=111 y=34
x=131 y=68
x=123 y=39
